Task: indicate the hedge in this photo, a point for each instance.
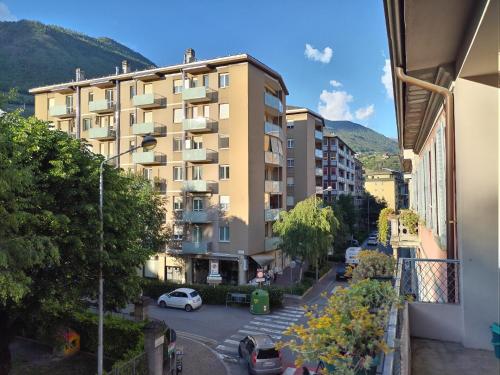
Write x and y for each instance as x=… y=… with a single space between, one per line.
x=211 y=295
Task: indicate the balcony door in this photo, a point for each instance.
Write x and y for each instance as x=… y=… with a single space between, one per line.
x=197 y=204
x=69 y=102
x=197 y=234
x=109 y=95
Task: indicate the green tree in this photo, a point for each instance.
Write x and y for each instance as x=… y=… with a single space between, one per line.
x=49 y=234
x=307 y=231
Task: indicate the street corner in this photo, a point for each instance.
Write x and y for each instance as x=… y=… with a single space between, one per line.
x=200 y=359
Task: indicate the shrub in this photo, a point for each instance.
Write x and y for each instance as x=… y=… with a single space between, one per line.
x=211 y=295
x=383 y=224
x=373 y=264
x=410 y=220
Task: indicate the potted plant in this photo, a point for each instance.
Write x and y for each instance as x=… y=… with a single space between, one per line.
x=410 y=220
x=373 y=265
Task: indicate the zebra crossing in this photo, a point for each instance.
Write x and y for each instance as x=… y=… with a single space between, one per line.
x=273 y=324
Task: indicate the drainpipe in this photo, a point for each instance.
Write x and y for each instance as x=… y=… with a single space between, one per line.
x=451 y=221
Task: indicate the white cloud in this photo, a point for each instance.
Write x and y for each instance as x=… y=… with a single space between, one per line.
x=365 y=112
x=335 y=83
x=5 y=14
x=386 y=79
x=316 y=55
x=334 y=105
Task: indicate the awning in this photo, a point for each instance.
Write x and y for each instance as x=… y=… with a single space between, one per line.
x=263 y=260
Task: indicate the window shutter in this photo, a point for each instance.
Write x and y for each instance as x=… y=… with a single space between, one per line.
x=441 y=184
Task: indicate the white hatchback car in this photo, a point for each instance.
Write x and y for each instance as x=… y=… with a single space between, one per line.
x=182 y=298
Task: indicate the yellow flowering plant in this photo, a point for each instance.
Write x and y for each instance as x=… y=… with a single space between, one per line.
x=373 y=264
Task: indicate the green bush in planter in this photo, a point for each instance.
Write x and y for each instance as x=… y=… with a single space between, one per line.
x=373 y=264
x=410 y=220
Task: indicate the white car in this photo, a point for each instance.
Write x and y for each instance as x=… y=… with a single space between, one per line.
x=182 y=298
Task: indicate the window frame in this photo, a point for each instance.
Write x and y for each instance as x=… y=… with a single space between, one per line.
x=224 y=172
x=224 y=233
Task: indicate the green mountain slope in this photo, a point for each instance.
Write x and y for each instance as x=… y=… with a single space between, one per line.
x=33 y=54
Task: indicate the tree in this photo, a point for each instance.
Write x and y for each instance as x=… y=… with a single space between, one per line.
x=307 y=231
x=49 y=235
x=348 y=218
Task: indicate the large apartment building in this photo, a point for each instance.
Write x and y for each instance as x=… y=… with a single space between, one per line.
x=389 y=186
x=219 y=161
x=304 y=154
x=339 y=167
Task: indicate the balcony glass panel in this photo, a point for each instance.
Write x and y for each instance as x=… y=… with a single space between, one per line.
x=201 y=247
x=102 y=106
x=273 y=102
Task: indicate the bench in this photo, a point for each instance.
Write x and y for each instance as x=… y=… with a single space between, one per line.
x=237 y=298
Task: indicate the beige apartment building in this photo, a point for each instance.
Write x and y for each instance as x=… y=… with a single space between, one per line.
x=387 y=185
x=304 y=154
x=219 y=161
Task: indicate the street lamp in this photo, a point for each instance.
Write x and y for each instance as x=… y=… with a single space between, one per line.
x=148 y=143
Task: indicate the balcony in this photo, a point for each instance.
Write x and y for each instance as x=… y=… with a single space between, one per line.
x=319 y=189
x=318 y=135
x=197 y=125
x=273 y=129
x=196 y=217
x=199 y=94
x=273 y=186
x=272 y=243
x=273 y=158
x=272 y=214
x=401 y=236
x=199 y=155
x=102 y=106
x=61 y=111
x=199 y=186
x=273 y=102
x=319 y=172
x=102 y=134
x=152 y=128
x=318 y=154
x=160 y=186
x=149 y=101
x=149 y=158
x=202 y=247
x=326 y=162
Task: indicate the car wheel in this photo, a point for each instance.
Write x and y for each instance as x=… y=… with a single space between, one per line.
x=188 y=308
x=163 y=304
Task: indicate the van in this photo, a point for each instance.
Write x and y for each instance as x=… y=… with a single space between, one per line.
x=351 y=255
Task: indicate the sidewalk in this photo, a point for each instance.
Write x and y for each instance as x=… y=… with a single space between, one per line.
x=199 y=359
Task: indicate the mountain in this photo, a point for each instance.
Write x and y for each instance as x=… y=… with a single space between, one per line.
x=34 y=54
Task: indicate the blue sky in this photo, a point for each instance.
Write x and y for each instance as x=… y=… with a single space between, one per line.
x=331 y=53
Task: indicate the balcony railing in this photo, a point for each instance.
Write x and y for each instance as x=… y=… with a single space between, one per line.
x=319 y=189
x=160 y=186
x=103 y=133
x=199 y=186
x=401 y=236
x=273 y=158
x=102 y=106
x=149 y=158
x=196 y=216
x=272 y=214
x=319 y=172
x=273 y=102
x=61 y=111
x=196 y=94
x=149 y=101
x=318 y=154
x=318 y=135
x=197 y=125
x=191 y=247
x=199 y=155
x=273 y=186
x=272 y=243
x=153 y=128
x=273 y=129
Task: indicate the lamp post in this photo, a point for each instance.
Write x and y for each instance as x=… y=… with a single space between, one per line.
x=148 y=143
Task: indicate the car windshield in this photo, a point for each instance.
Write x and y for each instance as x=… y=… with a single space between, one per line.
x=194 y=294
x=268 y=353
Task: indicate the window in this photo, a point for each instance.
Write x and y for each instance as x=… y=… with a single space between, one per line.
x=290 y=181
x=206 y=111
x=177 y=144
x=290 y=124
x=224 y=234
x=290 y=143
x=132 y=91
x=224 y=202
x=177 y=86
x=178 y=115
x=108 y=94
x=147 y=173
x=197 y=172
x=223 y=111
x=290 y=200
x=205 y=80
x=223 y=141
x=148 y=116
x=91 y=97
x=197 y=204
x=178 y=204
x=148 y=88
x=224 y=172
x=174 y=274
x=223 y=80
x=178 y=232
x=290 y=162
x=131 y=117
x=178 y=173
x=87 y=123
x=69 y=101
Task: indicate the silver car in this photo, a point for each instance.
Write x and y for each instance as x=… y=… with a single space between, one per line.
x=261 y=355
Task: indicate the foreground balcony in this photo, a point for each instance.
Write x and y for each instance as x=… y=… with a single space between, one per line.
x=196 y=217
x=273 y=102
x=318 y=154
x=199 y=155
x=61 y=111
x=149 y=158
x=102 y=106
x=149 y=101
x=197 y=125
x=151 y=128
x=273 y=158
x=103 y=133
x=273 y=129
x=199 y=94
x=272 y=243
x=272 y=214
x=273 y=186
x=202 y=247
x=199 y=186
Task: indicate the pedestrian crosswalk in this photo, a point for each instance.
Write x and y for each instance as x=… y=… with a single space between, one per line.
x=273 y=324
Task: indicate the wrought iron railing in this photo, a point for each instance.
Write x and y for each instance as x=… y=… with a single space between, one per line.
x=137 y=365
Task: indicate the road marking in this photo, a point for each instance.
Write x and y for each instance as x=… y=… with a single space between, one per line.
x=287 y=324
x=288 y=314
x=287 y=318
x=294 y=308
x=268 y=325
x=238 y=337
x=276 y=337
x=232 y=342
x=264 y=329
x=227 y=349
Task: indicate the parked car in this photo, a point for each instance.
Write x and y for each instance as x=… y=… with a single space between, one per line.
x=351 y=255
x=182 y=298
x=260 y=354
x=372 y=241
x=340 y=272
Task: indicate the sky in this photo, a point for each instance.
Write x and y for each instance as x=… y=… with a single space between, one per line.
x=332 y=54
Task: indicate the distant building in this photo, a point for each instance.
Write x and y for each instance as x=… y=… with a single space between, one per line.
x=388 y=185
x=359 y=182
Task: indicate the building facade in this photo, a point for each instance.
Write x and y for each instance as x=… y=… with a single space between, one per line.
x=219 y=161
x=304 y=155
x=387 y=185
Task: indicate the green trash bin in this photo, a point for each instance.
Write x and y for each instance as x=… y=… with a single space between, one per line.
x=259 y=303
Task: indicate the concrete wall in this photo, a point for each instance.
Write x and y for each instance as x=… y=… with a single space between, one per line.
x=436 y=321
